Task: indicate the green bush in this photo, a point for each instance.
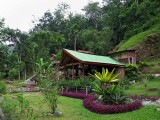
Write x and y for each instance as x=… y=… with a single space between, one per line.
x=132 y=72
x=1 y=75
x=16 y=107
x=77 y=83
x=13 y=73
x=117 y=98
x=110 y=94
x=124 y=84
x=2 y=87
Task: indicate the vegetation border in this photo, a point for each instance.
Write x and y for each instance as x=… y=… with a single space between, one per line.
x=90 y=104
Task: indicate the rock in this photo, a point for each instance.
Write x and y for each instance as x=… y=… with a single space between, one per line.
x=146 y=103
x=2 y=117
x=57 y=114
x=9 y=82
x=158 y=102
x=158 y=109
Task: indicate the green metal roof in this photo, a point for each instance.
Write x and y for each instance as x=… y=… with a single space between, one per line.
x=93 y=58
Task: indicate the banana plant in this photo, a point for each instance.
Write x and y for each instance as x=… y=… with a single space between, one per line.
x=41 y=68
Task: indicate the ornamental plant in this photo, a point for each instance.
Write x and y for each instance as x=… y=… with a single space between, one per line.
x=105 y=76
x=108 y=92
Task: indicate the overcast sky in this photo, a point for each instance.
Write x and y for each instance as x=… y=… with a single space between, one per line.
x=20 y=13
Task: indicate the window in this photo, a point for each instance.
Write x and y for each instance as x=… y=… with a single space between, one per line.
x=131 y=60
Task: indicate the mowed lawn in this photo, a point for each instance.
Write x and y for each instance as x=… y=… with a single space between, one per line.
x=73 y=109
x=140 y=89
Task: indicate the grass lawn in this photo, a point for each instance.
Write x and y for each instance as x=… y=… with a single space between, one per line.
x=139 y=38
x=153 y=66
x=139 y=88
x=73 y=110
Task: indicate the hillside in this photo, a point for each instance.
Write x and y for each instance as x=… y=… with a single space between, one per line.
x=147 y=46
x=138 y=39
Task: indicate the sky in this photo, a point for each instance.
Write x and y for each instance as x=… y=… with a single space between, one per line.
x=20 y=13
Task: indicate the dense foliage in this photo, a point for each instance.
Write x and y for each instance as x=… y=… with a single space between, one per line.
x=2 y=87
x=132 y=72
x=76 y=85
x=98 y=30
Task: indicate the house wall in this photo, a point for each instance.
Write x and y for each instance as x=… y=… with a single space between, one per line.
x=133 y=55
x=128 y=57
x=117 y=56
x=121 y=72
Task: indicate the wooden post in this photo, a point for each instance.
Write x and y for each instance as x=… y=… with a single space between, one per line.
x=65 y=72
x=86 y=90
x=72 y=72
x=62 y=89
x=83 y=70
x=79 y=71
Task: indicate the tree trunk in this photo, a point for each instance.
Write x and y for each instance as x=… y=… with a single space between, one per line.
x=75 y=43
x=25 y=73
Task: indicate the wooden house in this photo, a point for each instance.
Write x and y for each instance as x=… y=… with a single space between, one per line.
x=77 y=64
x=126 y=56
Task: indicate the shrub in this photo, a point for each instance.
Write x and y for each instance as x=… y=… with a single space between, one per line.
x=115 y=99
x=2 y=87
x=13 y=73
x=74 y=95
x=16 y=107
x=91 y=105
x=1 y=75
x=142 y=64
x=49 y=87
x=108 y=91
x=110 y=94
x=132 y=72
x=76 y=84
x=124 y=84
x=51 y=94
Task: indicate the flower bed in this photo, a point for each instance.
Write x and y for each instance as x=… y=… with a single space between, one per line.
x=89 y=104
x=141 y=97
x=74 y=95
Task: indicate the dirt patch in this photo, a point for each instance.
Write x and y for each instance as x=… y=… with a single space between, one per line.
x=153 y=89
